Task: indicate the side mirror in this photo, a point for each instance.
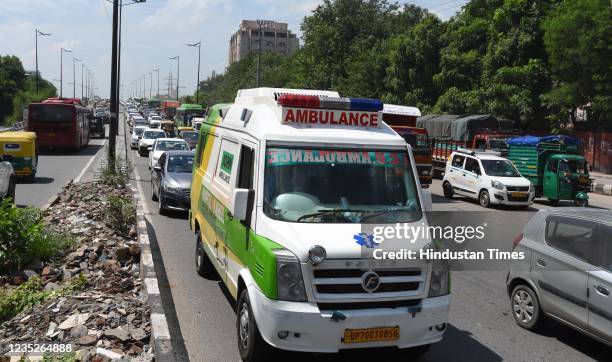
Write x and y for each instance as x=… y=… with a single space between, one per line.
x=239 y=205
x=426 y=201
x=150 y=148
x=157 y=168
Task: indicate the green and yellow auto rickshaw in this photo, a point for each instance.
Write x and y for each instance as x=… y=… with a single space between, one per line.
x=554 y=166
x=23 y=151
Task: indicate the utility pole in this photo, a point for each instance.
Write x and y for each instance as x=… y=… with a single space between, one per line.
x=74 y=60
x=37 y=34
x=198 y=44
x=62 y=51
x=178 y=70
x=150 y=84
x=157 y=70
x=82 y=80
x=113 y=83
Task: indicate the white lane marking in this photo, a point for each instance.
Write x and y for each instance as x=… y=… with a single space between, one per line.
x=152 y=287
x=91 y=160
x=160 y=326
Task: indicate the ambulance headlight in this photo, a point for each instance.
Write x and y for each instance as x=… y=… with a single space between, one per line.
x=317 y=255
x=439 y=283
x=289 y=281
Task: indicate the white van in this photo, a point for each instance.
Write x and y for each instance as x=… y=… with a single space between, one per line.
x=285 y=184
x=486 y=177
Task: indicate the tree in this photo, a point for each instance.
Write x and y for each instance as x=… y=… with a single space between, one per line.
x=577 y=39
x=12 y=78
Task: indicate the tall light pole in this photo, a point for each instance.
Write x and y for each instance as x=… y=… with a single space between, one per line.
x=198 y=44
x=157 y=70
x=62 y=51
x=74 y=60
x=144 y=86
x=178 y=69
x=150 y=84
x=37 y=34
x=82 y=79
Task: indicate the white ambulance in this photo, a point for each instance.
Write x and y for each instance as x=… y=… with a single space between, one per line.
x=287 y=186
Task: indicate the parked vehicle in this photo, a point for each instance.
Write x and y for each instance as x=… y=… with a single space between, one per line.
x=486 y=177
x=165 y=144
x=555 y=166
x=447 y=133
x=148 y=138
x=403 y=121
x=60 y=123
x=136 y=136
x=566 y=272
x=22 y=148
x=171 y=181
x=7 y=178
x=282 y=184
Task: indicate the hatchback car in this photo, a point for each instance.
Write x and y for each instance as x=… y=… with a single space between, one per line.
x=148 y=138
x=136 y=136
x=165 y=144
x=171 y=181
x=485 y=176
x=191 y=137
x=566 y=271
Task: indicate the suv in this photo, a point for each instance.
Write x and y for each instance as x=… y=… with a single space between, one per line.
x=486 y=177
x=7 y=178
x=566 y=271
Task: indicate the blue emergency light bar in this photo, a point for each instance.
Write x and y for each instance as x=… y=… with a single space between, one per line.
x=354 y=104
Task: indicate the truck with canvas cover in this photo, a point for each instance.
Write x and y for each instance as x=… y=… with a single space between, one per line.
x=285 y=183
x=554 y=165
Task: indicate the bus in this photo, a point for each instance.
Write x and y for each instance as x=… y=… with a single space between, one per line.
x=60 y=123
x=154 y=103
x=188 y=111
x=169 y=108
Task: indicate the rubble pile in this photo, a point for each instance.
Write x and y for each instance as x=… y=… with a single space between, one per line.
x=109 y=318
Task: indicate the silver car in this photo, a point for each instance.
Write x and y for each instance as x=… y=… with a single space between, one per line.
x=7 y=178
x=566 y=272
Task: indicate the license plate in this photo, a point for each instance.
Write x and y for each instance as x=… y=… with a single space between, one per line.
x=518 y=194
x=371 y=334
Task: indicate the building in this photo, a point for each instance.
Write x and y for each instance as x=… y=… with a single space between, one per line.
x=275 y=38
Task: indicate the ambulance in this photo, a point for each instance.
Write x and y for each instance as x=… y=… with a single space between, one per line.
x=287 y=185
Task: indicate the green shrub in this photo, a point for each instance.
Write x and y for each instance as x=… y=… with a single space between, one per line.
x=24 y=237
x=117 y=174
x=120 y=214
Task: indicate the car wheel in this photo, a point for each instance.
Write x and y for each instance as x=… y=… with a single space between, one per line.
x=250 y=344
x=484 y=198
x=153 y=194
x=525 y=307
x=161 y=207
x=203 y=265
x=448 y=190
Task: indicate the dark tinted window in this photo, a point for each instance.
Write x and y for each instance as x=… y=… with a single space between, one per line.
x=44 y=113
x=180 y=163
x=572 y=236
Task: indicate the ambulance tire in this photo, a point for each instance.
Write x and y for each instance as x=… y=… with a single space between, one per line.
x=251 y=345
x=203 y=265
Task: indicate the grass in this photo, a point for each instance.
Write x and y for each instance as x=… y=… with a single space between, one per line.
x=120 y=214
x=118 y=173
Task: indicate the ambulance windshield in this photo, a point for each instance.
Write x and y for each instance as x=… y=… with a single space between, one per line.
x=339 y=186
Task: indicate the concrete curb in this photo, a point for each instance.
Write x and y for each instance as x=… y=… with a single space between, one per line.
x=55 y=198
x=160 y=334
x=602 y=189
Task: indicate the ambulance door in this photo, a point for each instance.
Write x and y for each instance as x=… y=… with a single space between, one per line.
x=237 y=235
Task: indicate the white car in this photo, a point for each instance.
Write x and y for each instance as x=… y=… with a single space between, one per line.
x=148 y=138
x=136 y=135
x=155 y=123
x=165 y=144
x=487 y=177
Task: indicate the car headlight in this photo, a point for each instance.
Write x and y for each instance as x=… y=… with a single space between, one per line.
x=439 y=284
x=289 y=281
x=172 y=188
x=498 y=185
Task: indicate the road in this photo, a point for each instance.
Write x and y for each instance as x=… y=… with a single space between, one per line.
x=55 y=169
x=202 y=317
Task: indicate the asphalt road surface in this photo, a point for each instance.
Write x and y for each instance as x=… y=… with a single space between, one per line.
x=202 y=318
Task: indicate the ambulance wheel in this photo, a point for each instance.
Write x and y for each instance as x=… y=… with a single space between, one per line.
x=251 y=345
x=484 y=198
x=448 y=190
x=203 y=265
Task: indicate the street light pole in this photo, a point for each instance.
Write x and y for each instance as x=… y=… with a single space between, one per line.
x=150 y=84
x=74 y=60
x=157 y=70
x=62 y=51
x=37 y=76
x=82 y=80
x=178 y=69
x=113 y=83
x=198 y=44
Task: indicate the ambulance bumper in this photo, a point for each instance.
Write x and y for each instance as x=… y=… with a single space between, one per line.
x=310 y=330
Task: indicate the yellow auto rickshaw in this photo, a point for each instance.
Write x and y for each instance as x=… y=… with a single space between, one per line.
x=182 y=129
x=23 y=149
x=168 y=127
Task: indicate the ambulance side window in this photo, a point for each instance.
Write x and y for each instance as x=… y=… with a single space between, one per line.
x=201 y=144
x=246 y=169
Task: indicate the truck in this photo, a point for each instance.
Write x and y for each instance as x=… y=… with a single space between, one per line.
x=554 y=165
x=447 y=133
x=169 y=108
x=402 y=120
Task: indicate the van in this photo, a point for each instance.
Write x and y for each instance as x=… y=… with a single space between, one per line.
x=284 y=184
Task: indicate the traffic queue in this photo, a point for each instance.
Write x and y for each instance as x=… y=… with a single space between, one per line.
x=276 y=180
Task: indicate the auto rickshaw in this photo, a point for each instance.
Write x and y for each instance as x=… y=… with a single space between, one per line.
x=23 y=148
x=182 y=129
x=168 y=127
x=554 y=166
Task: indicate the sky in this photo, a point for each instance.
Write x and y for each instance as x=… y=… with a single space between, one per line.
x=152 y=32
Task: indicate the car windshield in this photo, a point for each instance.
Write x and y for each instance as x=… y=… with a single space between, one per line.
x=172 y=146
x=189 y=136
x=138 y=131
x=154 y=134
x=180 y=163
x=339 y=186
x=500 y=168
x=573 y=166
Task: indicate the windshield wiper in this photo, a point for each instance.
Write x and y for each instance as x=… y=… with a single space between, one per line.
x=328 y=211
